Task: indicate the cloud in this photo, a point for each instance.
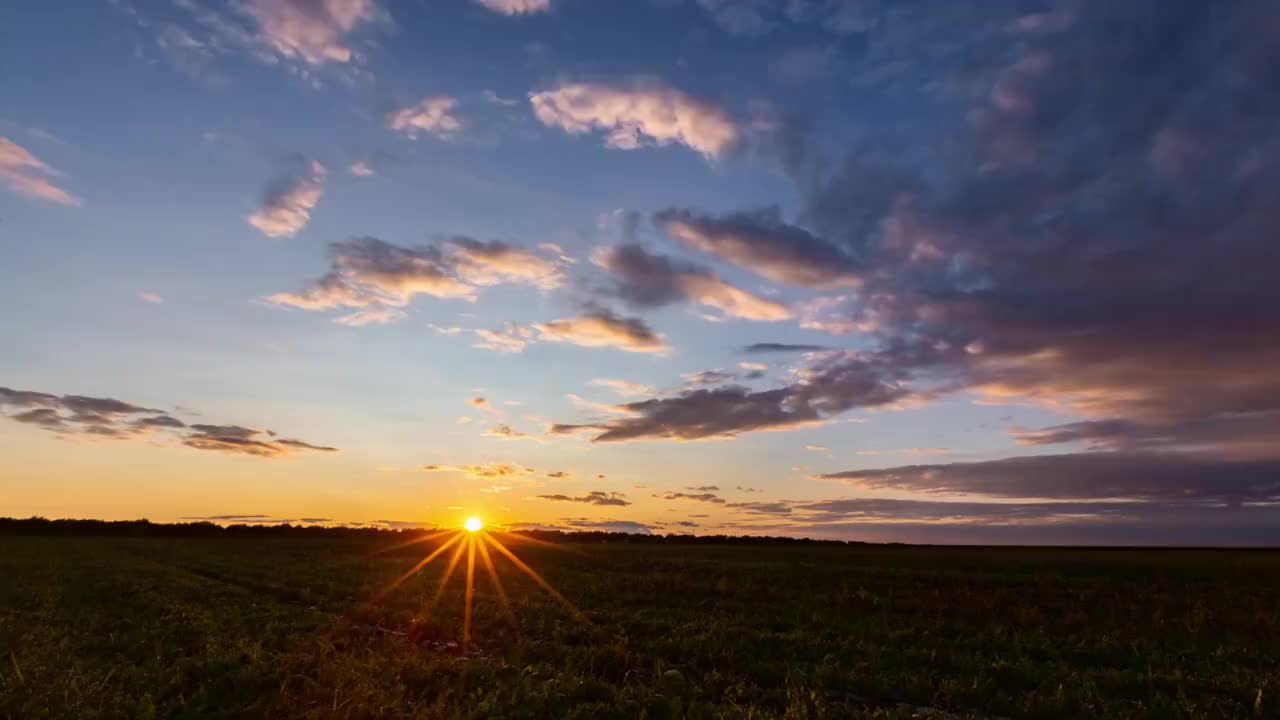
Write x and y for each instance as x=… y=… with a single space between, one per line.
x=622 y=526
x=511 y=338
x=646 y=280
x=487 y=471
x=431 y=115
x=623 y=387
x=1149 y=476
x=368 y=272
x=708 y=377
x=25 y=174
x=375 y=315
x=603 y=328
x=607 y=408
x=245 y=517
x=753 y=508
x=704 y=488
x=490 y=263
x=594 y=497
x=1097 y=236
x=516 y=7
x=247 y=441
x=478 y=402
x=825 y=389
x=772 y=347
x=637 y=112
x=109 y=418
x=288 y=202
x=1002 y=513
x=908 y=451
x=506 y=432
x=740 y=17
x=361 y=168
x=817 y=448
x=401 y=524
x=761 y=243
x=310 y=30
x=558 y=474
x=698 y=497
x=372 y=274
x=150 y=297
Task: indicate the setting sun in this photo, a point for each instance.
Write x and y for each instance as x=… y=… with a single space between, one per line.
x=473 y=524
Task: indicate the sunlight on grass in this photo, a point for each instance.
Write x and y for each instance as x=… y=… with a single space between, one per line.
x=477 y=542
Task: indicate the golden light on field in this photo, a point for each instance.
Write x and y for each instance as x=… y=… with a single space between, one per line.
x=467 y=542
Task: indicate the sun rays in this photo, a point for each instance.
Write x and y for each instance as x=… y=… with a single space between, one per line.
x=471 y=540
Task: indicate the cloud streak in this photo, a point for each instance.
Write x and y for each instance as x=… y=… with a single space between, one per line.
x=516 y=7
x=645 y=280
x=109 y=418
x=603 y=328
x=25 y=174
x=594 y=497
x=761 y=243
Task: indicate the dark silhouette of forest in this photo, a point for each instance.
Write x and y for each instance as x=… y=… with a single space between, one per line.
x=206 y=529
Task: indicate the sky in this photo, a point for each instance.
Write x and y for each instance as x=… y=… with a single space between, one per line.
x=926 y=272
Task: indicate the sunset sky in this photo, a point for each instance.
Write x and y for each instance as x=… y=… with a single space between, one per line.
x=859 y=269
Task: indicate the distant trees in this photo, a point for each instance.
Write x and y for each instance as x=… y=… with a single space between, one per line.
x=204 y=528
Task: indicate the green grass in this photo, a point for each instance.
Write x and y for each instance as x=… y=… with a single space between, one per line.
x=279 y=628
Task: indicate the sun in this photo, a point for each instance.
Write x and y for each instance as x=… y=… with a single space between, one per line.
x=470 y=542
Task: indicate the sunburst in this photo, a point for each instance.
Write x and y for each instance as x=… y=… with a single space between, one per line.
x=470 y=538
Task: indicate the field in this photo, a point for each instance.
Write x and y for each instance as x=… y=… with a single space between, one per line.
x=293 y=627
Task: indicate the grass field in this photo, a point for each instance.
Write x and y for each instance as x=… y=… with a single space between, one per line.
x=282 y=628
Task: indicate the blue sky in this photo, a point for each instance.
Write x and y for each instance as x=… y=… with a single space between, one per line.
x=265 y=257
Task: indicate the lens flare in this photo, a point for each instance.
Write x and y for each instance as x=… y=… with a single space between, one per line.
x=476 y=543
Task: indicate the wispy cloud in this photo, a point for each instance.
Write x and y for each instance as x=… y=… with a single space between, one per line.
x=623 y=387
x=310 y=30
x=485 y=471
x=643 y=279
x=506 y=432
x=594 y=497
x=511 y=338
x=288 y=202
x=516 y=7
x=762 y=243
x=25 y=174
x=109 y=418
x=773 y=347
x=434 y=115
x=603 y=328
x=372 y=274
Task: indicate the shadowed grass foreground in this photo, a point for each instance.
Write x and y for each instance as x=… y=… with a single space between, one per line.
x=282 y=628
